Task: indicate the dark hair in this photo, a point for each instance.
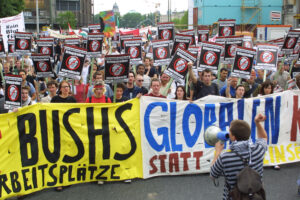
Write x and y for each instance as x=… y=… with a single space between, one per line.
x=22 y=70
x=239 y=86
x=206 y=71
x=60 y=85
x=121 y=85
x=139 y=65
x=224 y=69
x=264 y=85
x=184 y=92
x=240 y=129
x=298 y=80
x=52 y=83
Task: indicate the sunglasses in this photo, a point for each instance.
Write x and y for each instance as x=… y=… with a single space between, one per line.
x=140 y=80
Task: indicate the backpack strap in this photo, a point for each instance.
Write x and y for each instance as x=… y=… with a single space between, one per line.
x=90 y=99
x=245 y=161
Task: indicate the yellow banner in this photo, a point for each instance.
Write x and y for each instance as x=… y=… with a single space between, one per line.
x=50 y=145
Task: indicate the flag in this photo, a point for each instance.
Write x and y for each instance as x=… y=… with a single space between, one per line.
x=71 y=32
x=149 y=35
x=135 y=32
x=109 y=23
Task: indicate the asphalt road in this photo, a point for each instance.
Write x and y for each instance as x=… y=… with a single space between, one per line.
x=279 y=185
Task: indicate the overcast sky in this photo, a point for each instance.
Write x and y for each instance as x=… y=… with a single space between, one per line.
x=141 y=6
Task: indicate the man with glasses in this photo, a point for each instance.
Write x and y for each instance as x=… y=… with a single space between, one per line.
x=139 y=83
x=131 y=91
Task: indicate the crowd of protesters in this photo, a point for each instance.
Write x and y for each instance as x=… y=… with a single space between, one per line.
x=143 y=79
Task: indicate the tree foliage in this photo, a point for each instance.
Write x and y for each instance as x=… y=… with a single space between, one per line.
x=66 y=17
x=11 y=7
x=181 y=23
x=130 y=20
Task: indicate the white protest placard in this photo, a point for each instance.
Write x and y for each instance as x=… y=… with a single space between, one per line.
x=10 y=25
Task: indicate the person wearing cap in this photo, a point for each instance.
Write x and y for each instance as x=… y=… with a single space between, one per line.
x=98 y=96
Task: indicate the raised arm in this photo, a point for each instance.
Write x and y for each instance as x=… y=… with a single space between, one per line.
x=261 y=132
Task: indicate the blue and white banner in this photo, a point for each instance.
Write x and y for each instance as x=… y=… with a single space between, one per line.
x=172 y=131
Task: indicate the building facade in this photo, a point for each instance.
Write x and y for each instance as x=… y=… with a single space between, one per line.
x=291 y=12
x=207 y=12
x=49 y=10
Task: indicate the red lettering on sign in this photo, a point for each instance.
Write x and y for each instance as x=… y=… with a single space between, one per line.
x=173 y=160
x=185 y=157
x=295 y=120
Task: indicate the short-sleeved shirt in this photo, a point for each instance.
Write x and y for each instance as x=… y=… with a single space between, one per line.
x=229 y=164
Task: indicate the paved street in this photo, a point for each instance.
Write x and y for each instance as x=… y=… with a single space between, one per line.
x=280 y=185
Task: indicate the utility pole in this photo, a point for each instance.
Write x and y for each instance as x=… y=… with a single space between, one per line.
x=37 y=18
x=51 y=14
x=168 y=10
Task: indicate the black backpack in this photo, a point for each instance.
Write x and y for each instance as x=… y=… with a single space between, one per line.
x=248 y=184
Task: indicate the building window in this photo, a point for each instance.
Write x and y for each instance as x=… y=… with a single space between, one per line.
x=67 y=5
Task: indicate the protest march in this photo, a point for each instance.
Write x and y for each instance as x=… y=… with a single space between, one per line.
x=116 y=106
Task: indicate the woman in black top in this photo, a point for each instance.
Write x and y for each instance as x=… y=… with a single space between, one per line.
x=63 y=97
x=64 y=94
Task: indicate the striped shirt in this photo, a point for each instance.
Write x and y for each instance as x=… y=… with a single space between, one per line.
x=229 y=164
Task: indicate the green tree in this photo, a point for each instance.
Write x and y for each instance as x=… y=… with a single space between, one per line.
x=11 y=7
x=66 y=17
x=130 y=20
x=181 y=23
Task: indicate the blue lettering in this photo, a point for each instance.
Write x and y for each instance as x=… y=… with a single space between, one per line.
x=209 y=118
x=256 y=103
x=271 y=120
x=160 y=131
x=175 y=147
x=191 y=109
x=240 y=109
x=222 y=119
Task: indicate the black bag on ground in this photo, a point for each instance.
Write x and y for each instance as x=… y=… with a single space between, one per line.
x=248 y=185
